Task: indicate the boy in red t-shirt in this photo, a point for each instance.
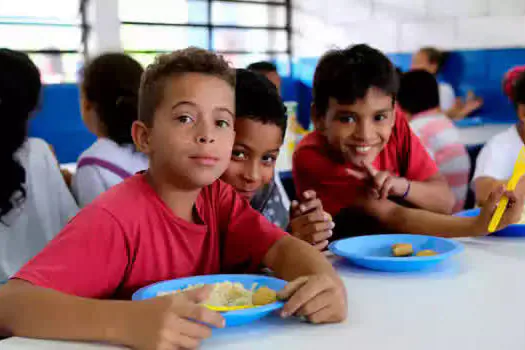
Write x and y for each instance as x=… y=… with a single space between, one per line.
x=175 y=220
x=363 y=159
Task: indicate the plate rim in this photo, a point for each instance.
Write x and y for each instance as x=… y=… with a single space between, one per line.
x=458 y=248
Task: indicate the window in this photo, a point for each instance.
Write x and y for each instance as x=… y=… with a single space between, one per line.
x=243 y=31
x=49 y=31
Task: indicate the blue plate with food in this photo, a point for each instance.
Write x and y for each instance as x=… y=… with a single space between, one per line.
x=396 y=252
x=516 y=230
x=240 y=299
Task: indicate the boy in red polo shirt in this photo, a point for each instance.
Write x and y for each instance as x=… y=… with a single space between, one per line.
x=362 y=159
x=175 y=220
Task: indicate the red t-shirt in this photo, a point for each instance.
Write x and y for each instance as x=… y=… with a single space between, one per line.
x=128 y=238
x=317 y=167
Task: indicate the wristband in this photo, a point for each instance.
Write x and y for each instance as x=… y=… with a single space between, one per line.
x=406 y=192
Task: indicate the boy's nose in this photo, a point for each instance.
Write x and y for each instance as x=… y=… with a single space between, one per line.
x=205 y=139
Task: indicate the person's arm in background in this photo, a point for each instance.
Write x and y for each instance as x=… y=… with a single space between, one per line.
x=87 y=185
x=492 y=170
x=461 y=109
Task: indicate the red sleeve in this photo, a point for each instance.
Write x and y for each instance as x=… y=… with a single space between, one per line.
x=88 y=258
x=418 y=165
x=247 y=234
x=314 y=171
x=307 y=169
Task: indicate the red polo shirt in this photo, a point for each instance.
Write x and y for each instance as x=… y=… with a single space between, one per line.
x=128 y=238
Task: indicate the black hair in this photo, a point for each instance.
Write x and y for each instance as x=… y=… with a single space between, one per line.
x=418 y=92
x=111 y=82
x=256 y=98
x=20 y=88
x=435 y=56
x=348 y=74
x=188 y=60
x=519 y=90
x=262 y=66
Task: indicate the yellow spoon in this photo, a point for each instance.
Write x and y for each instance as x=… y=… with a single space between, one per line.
x=519 y=171
x=227 y=308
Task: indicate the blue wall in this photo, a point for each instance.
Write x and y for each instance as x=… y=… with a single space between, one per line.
x=477 y=70
x=60 y=123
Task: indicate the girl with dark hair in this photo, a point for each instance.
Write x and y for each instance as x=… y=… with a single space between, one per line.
x=109 y=104
x=34 y=200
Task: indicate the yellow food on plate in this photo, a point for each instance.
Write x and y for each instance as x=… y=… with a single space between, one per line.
x=264 y=296
x=228 y=294
x=402 y=249
x=426 y=252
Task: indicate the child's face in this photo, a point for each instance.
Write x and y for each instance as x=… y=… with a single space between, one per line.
x=253 y=157
x=191 y=137
x=420 y=62
x=361 y=130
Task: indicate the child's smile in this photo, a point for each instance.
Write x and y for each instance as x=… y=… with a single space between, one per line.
x=360 y=130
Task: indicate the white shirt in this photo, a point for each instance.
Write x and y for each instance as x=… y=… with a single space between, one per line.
x=447 y=97
x=45 y=211
x=91 y=180
x=497 y=158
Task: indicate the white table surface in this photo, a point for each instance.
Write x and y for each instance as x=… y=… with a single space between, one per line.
x=475 y=302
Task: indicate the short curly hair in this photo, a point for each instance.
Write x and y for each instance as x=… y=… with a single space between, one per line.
x=189 y=60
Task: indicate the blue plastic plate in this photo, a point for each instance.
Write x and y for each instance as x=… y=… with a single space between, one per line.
x=233 y=318
x=375 y=251
x=516 y=230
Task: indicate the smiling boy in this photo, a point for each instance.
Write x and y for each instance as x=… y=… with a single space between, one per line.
x=362 y=159
x=175 y=220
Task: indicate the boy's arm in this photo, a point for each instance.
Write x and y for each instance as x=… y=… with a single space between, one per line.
x=401 y=219
x=484 y=186
x=158 y=323
x=433 y=194
x=316 y=291
x=30 y=311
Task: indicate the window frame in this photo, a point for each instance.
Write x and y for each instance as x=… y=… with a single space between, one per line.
x=211 y=27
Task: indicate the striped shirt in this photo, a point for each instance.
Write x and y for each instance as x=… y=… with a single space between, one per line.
x=441 y=139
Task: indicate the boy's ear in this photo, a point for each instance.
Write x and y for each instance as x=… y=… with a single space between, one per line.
x=140 y=134
x=316 y=119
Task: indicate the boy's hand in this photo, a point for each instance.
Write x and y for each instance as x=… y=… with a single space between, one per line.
x=512 y=213
x=319 y=298
x=174 y=322
x=309 y=222
x=383 y=183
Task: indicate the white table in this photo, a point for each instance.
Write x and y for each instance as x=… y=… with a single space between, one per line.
x=475 y=302
x=476 y=135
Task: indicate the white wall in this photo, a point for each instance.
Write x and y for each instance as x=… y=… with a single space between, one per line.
x=406 y=25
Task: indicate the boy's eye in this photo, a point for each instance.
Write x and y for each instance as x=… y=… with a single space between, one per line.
x=346 y=119
x=222 y=124
x=269 y=159
x=238 y=155
x=185 y=119
x=380 y=117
